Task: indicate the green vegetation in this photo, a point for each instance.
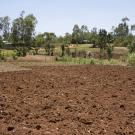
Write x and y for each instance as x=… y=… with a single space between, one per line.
x=82 y=46
x=1 y=55
x=132 y=47
x=4 y=54
x=23 y=29
x=80 y=61
x=131 y=59
x=109 y=50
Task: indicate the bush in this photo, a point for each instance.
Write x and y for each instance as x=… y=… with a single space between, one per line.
x=109 y=51
x=132 y=47
x=131 y=59
x=101 y=62
x=14 y=56
x=92 y=62
x=21 y=51
x=2 y=56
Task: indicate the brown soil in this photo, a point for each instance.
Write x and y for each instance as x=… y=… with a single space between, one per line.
x=37 y=58
x=6 y=66
x=68 y=100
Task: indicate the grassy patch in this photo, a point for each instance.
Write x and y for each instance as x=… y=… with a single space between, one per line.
x=9 y=53
x=83 y=61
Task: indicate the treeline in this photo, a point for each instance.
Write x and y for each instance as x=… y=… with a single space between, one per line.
x=20 y=33
x=121 y=35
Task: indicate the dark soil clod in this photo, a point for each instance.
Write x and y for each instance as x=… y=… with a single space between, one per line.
x=38 y=127
x=10 y=128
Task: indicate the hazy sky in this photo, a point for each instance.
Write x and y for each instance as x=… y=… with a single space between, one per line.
x=59 y=16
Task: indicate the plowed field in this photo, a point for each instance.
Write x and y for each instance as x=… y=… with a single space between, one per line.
x=68 y=100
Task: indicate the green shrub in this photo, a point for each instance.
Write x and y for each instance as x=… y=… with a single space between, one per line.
x=132 y=47
x=131 y=59
x=92 y=62
x=109 y=51
x=14 y=56
x=2 y=56
x=101 y=62
x=21 y=51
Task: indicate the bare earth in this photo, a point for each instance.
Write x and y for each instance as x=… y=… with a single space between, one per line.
x=68 y=100
x=6 y=67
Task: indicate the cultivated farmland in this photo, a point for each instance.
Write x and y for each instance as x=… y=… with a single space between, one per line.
x=68 y=100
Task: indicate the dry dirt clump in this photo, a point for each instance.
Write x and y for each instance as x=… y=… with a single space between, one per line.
x=72 y=100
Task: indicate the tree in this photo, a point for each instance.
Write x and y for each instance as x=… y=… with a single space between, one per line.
x=23 y=30
x=105 y=41
x=76 y=35
x=60 y=39
x=84 y=29
x=102 y=41
x=63 y=50
x=84 y=34
x=67 y=38
x=122 y=30
x=109 y=48
x=0 y=26
x=93 y=37
x=5 y=27
x=38 y=42
x=1 y=42
x=121 y=33
x=125 y=19
x=49 y=40
x=66 y=41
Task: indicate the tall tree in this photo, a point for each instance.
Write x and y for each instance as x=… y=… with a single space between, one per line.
x=5 y=27
x=102 y=41
x=76 y=35
x=29 y=28
x=84 y=34
x=93 y=37
x=109 y=47
x=67 y=38
x=38 y=42
x=125 y=19
x=121 y=33
x=1 y=42
x=49 y=40
x=23 y=30
x=123 y=29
